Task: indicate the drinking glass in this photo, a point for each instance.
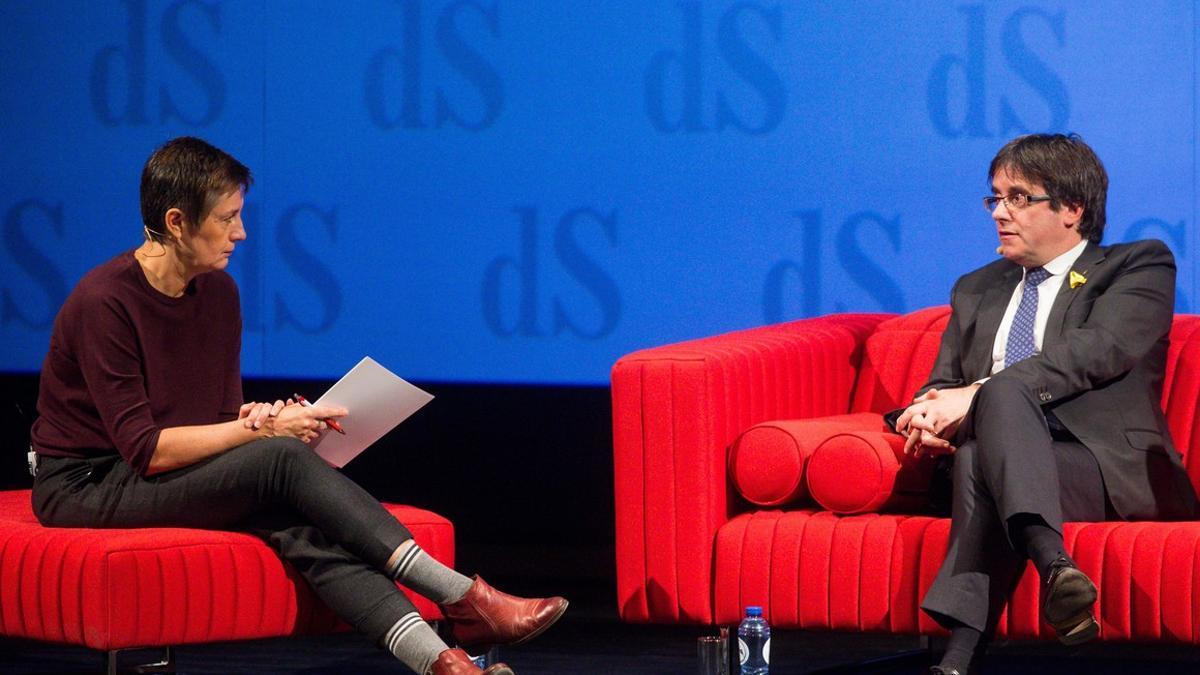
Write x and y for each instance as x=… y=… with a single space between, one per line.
x=713 y=652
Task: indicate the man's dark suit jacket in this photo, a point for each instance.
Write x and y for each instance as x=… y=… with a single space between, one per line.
x=1101 y=366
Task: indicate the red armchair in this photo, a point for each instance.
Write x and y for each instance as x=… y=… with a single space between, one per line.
x=690 y=549
x=116 y=589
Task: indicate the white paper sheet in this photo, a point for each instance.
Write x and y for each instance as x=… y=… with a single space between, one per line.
x=377 y=399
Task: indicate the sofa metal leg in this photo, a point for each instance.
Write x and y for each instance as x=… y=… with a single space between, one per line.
x=165 y=665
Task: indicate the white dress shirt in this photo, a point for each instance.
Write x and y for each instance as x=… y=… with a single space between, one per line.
x=1047 y=291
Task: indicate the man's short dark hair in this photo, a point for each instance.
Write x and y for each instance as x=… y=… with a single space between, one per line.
x=1069 y=170
x=191 y=175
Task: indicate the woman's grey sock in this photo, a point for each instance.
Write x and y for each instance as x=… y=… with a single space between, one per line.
x=414 y=643
x=418 y=570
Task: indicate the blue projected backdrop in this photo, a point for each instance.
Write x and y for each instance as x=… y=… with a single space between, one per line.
x=520 y=191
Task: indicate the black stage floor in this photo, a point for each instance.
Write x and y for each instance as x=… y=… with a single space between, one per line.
x=590 y=640
x=609 y=649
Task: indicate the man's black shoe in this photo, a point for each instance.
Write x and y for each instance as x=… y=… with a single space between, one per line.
x=1067 y=598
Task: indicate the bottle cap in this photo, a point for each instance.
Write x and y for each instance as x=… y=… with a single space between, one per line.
x=753 y=610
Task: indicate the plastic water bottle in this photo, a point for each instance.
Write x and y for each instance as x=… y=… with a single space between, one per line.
x=754 y=643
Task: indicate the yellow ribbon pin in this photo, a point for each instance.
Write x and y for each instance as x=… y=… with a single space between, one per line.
x=1077 y=280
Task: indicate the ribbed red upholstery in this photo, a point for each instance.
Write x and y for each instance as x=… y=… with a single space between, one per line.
x=814 y=569
x=898 y=358
x=112 y=589
x=676 y=409
x=817 y=570
x=686 y=553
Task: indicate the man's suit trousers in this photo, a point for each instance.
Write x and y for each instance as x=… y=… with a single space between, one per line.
x=1008 y=463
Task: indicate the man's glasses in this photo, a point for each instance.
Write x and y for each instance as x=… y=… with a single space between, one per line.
x=1015 y=201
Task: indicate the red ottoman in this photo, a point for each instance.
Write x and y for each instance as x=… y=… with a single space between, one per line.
x=115 y=589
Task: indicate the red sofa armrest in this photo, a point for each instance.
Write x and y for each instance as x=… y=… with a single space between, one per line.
x=675 y=411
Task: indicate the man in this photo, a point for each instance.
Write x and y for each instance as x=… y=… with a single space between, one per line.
x=1046 y=389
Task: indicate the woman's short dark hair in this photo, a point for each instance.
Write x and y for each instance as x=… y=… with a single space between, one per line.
x=1069 y=170
x=191 y=175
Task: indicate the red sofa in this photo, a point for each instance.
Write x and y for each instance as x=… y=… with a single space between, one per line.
x=690 y=549
x=156 y=587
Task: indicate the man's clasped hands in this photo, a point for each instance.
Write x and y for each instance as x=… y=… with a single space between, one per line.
x=933 y=418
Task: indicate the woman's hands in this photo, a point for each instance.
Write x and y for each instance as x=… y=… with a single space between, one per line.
x=288 y=418
x=183 y=446
x=255 y=414
x=302 y=421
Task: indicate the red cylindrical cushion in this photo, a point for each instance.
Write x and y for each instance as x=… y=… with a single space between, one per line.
x=767 y=462
x=866 y=471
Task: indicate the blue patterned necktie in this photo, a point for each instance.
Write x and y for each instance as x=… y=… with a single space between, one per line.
x=1020 y=335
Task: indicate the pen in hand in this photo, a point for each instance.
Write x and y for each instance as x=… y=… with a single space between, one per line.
x=332 y=423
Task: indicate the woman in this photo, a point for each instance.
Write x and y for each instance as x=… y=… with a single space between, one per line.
x=142 y=424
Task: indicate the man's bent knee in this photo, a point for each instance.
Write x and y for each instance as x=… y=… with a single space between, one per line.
x=1002 y=389
x=1007 y=401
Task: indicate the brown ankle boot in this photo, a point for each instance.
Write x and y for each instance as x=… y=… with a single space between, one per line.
x=456 y=662
x=486 y=617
